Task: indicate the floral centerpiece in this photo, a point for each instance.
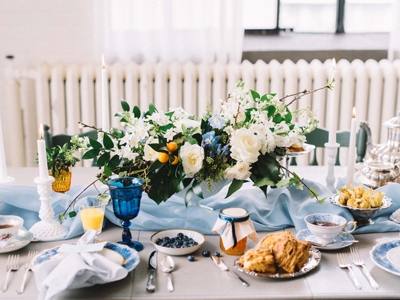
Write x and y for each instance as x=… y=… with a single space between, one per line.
x=173 y=151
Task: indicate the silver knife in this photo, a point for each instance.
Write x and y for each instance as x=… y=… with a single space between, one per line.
x=151 y=287
x=220 y=264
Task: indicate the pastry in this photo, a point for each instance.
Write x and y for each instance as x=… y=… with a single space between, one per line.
x=271 y=239
x=259 y=260
x=295 y=148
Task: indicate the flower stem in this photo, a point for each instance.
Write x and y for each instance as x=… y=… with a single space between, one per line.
x=95 y=128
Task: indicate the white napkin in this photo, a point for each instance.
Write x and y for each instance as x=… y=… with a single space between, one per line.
x=75 y=270
x=242 y=229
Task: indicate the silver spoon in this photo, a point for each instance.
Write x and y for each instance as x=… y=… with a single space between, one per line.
x=167 y=265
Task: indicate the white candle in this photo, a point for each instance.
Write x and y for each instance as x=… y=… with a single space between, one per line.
x=105 y=124
x=352 y=149
x=3 y=166
x=43 y=170
x=332 y=110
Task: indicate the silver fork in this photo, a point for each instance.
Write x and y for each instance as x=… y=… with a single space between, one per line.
x=344 y=262
x=12 y=265
x=28 y=267
x=359 y=262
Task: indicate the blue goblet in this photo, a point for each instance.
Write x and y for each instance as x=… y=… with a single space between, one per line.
x=126 y=193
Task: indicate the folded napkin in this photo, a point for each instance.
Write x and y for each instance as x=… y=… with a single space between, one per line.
x=75 y=270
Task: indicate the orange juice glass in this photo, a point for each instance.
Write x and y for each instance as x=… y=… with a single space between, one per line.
x=92 y=217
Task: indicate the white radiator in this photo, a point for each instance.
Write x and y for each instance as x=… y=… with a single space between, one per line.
x=61 y=95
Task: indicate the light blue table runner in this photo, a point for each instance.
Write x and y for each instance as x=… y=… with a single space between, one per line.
x=284 y=207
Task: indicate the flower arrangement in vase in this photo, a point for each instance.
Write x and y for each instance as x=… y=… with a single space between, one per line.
x=173 y=151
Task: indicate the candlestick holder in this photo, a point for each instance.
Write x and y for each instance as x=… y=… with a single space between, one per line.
x=8 y=180
x=47 y=229
x=330 y=178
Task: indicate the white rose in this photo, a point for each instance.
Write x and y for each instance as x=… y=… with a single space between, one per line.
x=231 y=110
x=245 y=146
x=192 y=158
x=240 y=171
x=187 y=123
x=149 y=153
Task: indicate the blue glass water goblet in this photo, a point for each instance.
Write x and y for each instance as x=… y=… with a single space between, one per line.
x=126 y=193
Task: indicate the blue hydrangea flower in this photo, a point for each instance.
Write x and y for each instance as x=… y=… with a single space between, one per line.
x=209 y=139
x=217 y=122
x=212 y=155
x=219 y=149
x=225 y=150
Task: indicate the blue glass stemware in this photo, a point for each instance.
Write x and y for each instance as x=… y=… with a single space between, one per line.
x=126 y=193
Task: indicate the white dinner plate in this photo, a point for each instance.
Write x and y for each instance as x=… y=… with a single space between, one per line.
x=393 y=256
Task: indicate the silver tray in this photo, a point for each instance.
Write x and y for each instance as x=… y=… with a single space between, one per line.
x=313 y=261
x=307 y=148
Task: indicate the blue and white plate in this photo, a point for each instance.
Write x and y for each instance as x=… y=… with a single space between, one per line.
x=342 y=240
x=130 y=256
x=379 y=256
x=24 y=238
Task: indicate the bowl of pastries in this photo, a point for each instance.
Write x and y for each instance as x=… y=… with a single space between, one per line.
x=299 y=149
x=363 y=204
x=280 y=255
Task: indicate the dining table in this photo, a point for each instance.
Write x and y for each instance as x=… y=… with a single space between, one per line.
x=201 y=279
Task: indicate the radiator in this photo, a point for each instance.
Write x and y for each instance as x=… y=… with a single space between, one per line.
x=61 y=95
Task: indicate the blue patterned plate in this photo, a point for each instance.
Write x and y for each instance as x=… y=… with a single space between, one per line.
x=379 y=256
x=131 y=257
x=342 y=240
x=24 y=238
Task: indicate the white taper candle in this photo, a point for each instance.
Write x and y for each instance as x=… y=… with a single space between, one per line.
x=352 y=149
x=105 y=121
x=3 y=165
x=43 y=170
x=332 y=110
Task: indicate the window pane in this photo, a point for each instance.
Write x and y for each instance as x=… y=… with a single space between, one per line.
x=368 y=16
x=259 y=14
x=308 y=15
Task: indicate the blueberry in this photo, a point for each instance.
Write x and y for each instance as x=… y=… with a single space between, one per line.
x=180 y=235
x=190 y=258
x=172 y=240
x=217 y=254
x=196 y=243
x=158 y=241
x=185 y=238
x=206 y=253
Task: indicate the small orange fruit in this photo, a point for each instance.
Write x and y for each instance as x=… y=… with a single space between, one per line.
x=163 y=157
x=172 y=147
x=176 y=160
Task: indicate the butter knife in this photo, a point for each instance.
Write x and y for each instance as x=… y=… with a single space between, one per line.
x=220 y=264
x=151 y=287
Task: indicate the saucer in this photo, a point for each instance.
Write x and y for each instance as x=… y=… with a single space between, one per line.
x=342 y=240
x=379 y=255
x=24 y=238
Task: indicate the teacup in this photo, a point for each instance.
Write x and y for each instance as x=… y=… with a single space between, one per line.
x=326 y=226
x=9 y=226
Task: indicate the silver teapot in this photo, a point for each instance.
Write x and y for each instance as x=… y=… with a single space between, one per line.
x=377 y=173
x=390 y=150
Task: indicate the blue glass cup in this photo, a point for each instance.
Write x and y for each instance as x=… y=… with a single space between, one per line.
x=126 y=193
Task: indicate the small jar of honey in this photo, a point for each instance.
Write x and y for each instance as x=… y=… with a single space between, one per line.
x=231 y=220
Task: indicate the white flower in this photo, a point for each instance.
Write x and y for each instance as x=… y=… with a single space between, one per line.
x=240 y=171
x=192 y=158
x=268 y=143
x=179 y=113
x=231 y=110
x=169 y=135
x=149 y=153
x=187 y=123
x=127 y=153
x=159 y=118
x=81 y=126
x=142 y=129
x=245 y=146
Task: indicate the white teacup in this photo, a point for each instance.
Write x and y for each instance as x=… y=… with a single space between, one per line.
x=326 y=226
x=9 y=226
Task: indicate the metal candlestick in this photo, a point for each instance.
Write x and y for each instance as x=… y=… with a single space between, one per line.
x=330 y=178
x=47 y=229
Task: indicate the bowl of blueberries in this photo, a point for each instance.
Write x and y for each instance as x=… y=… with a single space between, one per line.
x=177 y=241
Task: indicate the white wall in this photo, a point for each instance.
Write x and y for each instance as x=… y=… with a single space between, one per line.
x=41 y=30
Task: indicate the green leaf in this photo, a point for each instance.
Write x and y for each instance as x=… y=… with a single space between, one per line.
x=152 y=109
x=283 y=182
x=264 y=97
x=155 y=165
x=277 y=119
x=192 y=141
x=95 y=144
x=203 y=124
x=288 y=116
x=72 y=214
x=255 y=95
x=235 y=185
x=311 y=194
x=136 y=112
x=108 y=143
x=103 y=159
x=114 y=162
x=62 y=217
x=65 y=147
x=268 y=167
x=188 y=196
x=263 y=181
x=125 y=105
x=321 y=201
x=118 y=114
x=107 y=171
x=91 y=154
x=197 y=189
x=155 y=147
x=271 y=110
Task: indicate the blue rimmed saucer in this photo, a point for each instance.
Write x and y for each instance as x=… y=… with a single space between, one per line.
x=379 y=256
x=23 y=239
x=342 y=240
x=130 y=256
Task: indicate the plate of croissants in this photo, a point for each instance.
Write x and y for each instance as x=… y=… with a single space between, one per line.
x=280 y=255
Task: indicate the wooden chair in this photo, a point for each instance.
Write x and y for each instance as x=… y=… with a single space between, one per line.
x=320 y=136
